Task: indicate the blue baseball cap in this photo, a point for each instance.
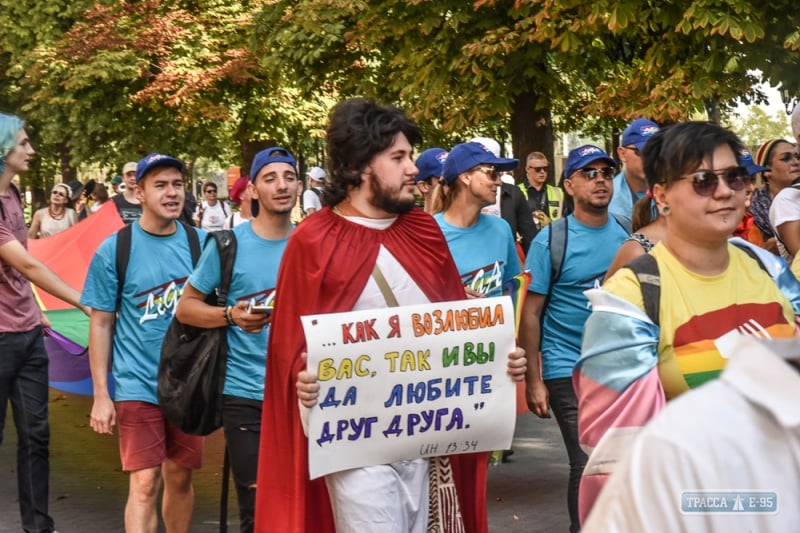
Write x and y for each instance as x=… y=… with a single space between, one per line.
x=156 y=160
x=274 y=154
x=465 y=156
x=638 y=132
x=746 y=160
x=584 y=155
x=431 y=163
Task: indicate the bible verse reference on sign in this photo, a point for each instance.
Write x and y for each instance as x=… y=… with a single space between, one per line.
x=409 y=382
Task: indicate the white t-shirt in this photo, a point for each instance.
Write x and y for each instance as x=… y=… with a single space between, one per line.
x=391 y=497
x=311 y=200
x=237 y=219
x=214 y=216
x=739 y=434
x=785 y=208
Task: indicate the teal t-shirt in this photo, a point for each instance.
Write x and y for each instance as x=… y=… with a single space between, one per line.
x=158 y=267
x=255 y=272
x=589 y=253
x=485 y=253
x=623 y=199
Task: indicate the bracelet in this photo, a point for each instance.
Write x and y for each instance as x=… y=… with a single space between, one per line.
x=229 y=316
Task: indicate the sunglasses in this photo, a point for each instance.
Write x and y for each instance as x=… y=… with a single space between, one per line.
x=632 y=149
x=488 y=170
x=211 y=191
x=539 y=169
x=788 y=156
x=593 y=173
x=58 y=193
x=705 y=182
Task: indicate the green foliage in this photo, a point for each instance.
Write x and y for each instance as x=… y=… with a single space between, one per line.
x=756 y=126
x=106 y=81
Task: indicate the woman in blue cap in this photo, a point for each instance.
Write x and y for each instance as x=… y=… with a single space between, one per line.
x=482 y=246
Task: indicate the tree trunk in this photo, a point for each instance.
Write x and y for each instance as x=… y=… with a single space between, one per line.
x=531 y=131
x=712 y=109
x=65 y=160
x=249 y=147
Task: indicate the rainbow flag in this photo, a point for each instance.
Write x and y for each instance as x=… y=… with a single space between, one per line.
x=517 y=288
x=68 y=254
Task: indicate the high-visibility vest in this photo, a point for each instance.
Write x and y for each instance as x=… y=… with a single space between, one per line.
x=555 y=200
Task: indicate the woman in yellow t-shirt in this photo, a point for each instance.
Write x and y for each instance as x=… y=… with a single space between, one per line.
x=711 y=291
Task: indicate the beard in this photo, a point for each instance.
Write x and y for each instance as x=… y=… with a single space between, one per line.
x=388 y=200
x=591 y=205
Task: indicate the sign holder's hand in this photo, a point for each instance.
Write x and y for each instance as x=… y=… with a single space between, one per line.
x=307 y=386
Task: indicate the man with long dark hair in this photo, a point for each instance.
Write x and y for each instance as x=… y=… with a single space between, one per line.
x=369 y=225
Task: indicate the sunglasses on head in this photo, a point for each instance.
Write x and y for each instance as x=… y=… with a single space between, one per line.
x=705 y=182
x=593 y=173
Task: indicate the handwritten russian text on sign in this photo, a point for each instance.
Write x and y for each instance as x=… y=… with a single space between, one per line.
x=409 y=382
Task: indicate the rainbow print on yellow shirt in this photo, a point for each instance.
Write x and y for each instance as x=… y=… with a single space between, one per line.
x=694 y=350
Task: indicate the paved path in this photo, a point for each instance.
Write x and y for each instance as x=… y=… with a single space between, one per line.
x=88 y=490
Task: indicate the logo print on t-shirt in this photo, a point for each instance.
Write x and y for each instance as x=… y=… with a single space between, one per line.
x=161 y=300
x=486 y=279
x=265 y=297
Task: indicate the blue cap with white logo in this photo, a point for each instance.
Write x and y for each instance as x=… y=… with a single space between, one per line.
x=584 y=155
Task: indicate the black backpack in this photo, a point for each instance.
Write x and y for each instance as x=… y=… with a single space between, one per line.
x=123 y=253
x=191 y=374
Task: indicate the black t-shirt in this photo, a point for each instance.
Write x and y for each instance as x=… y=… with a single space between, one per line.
x=127 y=211
x=537 y=200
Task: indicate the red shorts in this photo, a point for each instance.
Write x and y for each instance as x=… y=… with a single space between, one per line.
x=146 y=439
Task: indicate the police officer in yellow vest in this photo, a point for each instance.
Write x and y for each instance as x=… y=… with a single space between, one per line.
x=546 y=201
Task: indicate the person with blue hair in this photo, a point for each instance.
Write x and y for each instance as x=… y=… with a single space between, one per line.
x=24 y=364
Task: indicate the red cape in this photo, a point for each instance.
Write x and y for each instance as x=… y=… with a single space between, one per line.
x=324 y=269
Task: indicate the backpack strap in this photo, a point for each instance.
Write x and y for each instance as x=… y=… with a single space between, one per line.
x=646 y=269
x=226 y=244
x=624 y=222
x=557 y=240
x=194 y=241
x=743 y=246
x=123 y=253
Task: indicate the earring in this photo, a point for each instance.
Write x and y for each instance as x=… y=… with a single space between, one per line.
x=664 y=209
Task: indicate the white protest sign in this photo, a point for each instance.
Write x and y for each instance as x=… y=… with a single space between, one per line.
x=408 y=382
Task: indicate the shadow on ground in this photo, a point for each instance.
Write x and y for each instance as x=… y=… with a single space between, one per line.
x=88 y=489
